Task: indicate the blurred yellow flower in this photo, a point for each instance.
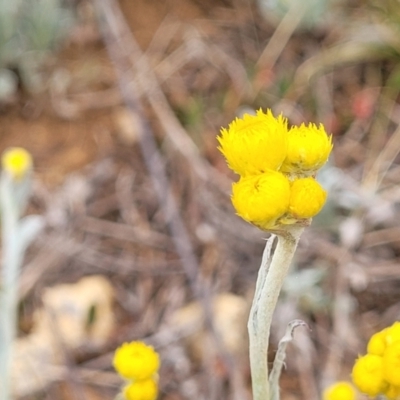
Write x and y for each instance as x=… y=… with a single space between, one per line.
x=17 y=162
x=261 y=199
x=393 y=333
x=380 y=340
x=141 y=390
x=339 y=391
x=367 y=375
x=136 y=361
x=306 y=198
x=391 y=363
x=377 y=343
x=392 y=392
x=308 y=149
x=254 y=144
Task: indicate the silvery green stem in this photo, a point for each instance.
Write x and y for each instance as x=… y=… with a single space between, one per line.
x=11 y=262
x=268 y=287
x=16 y=234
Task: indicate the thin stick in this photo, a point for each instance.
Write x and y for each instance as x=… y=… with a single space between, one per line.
x=281 y=36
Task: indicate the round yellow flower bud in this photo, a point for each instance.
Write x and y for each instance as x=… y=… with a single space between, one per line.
x=306 y=198
x=254 y=144
x=377 y=343
x=141 y=390
x=136 y=360
x=261 y=199
x=339 y=391
x=392 y=392
x=393 y=333
x=367 y=374
x=308 y=149
x=17 y=162
x=391 y=363
x=380 y=340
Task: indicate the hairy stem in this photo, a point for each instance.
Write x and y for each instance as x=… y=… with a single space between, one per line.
x=11 y=260
x=269 y=284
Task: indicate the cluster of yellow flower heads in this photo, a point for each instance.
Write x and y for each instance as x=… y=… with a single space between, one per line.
x=138 y=363
x=277 y=168
x=378 y=371
x=17 y=162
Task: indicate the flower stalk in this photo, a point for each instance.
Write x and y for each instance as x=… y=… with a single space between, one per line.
x=11 y=260
x=269 y=283
x=17 y=233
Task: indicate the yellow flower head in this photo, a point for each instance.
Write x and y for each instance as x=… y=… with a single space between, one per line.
x=136 y=361
x=306 y=198
x=17 y=162
x=392 y=392
x=141 y=390
x=380 y=340
x=391 y=363
x=367 y=375
x=393 y=333
x=254 y=144
x=339 y=391
x=308 y=149
x=261 y=199
x=377 y=343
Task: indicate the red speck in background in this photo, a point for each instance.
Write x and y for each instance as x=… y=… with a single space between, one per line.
x=363 y=104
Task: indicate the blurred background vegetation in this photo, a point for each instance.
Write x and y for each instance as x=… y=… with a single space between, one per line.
x=94 y=88
x=30 y=32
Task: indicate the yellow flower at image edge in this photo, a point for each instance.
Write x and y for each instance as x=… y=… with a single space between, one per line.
x=254 y=144
x=17 y=162
x=306 y=198
x=367 y=375
x=339 y=391
x=308 y=149
x=141 y=390
x=393 y=333
x=392 y=392
x=136 y=361
x=377 y=343
x=261 y=199
x=380 y=340
x=391 y=363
